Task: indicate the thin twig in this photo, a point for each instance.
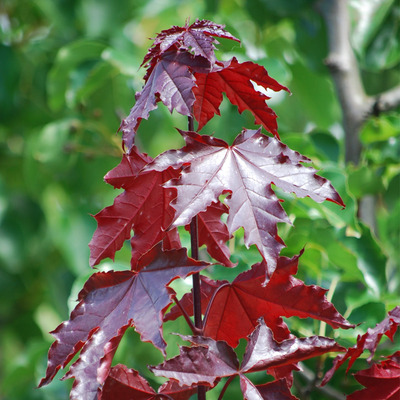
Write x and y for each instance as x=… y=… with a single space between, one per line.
x=211 y=302
x=225 y=387
x=186 y=316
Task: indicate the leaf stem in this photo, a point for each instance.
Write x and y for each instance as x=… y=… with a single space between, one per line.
x=211 y=302
x=225 y=387
x=186 y=316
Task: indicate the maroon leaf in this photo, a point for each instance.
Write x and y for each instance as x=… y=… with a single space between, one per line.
x=143 y=207
x=277 y=390
x=237 y=306
x=198 y=37
x=246 y=170
x=171 y=81
x=125 y=384
x=209 y=360
x=109 y=303
x=213 y=233
x=263 y=352
x=155 y=214
x=382 y=381
x=207 y=289
x=285 y=372
x=368 y=341
x=205 y=363
x=235 y=79
x=124 y=174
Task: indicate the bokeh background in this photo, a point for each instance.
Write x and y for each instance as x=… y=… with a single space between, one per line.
x=68 y=74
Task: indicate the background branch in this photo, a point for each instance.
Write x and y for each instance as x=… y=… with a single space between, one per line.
x=355 y=104
x=386 y=101
x=341 y=61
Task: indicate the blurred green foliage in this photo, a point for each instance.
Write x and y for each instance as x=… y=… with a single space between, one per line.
x=68 y=73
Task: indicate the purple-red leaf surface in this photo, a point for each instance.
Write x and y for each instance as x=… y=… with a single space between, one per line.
x=108 y=304
x=144 y=207
x=204 y=363
x=235 y=79
x=208 y=360
x=368 y=341
x=276 y=390
x=124 y=174
x=246 y=170
x=213 y=233
x=125 y=384
x=207 y=289
x=263 y=352
x=236 y=307
x=170 y=81
x=382 y=381
x=197 y=37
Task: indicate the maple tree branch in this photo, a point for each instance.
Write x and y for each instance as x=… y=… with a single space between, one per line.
x=194 y=242
x=342 y=63
x=355 y=103
x=386 y=101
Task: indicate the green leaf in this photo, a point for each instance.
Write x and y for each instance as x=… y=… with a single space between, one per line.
x=392 y=195
x=68 y=59
x=384 y=152
x=371 y=261
x=125 y=62
x=384 y=51
x=319 y=105
x=263 y=11
x=381 y=128
x=368 y=17
x=327 y=144
x=364 y=180
x=95 y=80
x=323 y=249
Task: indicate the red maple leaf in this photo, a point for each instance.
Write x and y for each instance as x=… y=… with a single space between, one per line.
x=171 y=81
x=198 y=38
x=246 y=170
x=193 y=84
x=124 y=174
x=207 y=288
x=368 y=341
x=125 y=384
x=234 y=308
x=143 y=207
x=276 y=390
x=208 y=360
x=213 y=233
x=235 y=79
x=382 y=381
x=108 y=304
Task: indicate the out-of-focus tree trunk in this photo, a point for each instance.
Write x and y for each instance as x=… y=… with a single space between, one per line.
x=355 y=104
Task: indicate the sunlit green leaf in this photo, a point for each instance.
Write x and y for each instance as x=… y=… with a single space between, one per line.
x=371 y=261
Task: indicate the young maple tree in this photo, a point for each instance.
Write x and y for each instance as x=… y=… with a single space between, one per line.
x=194 y=187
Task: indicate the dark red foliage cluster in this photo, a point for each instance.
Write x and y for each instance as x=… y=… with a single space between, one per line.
x=171 y=191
